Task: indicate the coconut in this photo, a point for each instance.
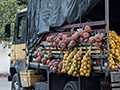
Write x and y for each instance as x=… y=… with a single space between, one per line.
x=54 y=44
x=98 y=38
x=67 y=40
x=54 y=69
x=60 y=65
x=40 y=54
x=98 y=44
x=56 y=39
x=49 y=55
x=51 y=63
x=48 y=61
x=63 y=45
x=86 y=35
x=87 y=28
x=73 y=43
x=64 y=36
x=75 y=37
x=55 y=64
x=51 y=68
x=81 y=32
x=60 y=35
x=35 y=53
x=48 y=39
x=38 y=59
x=52 y=38
x=92 y=39
x=43 y=60
x=60 y=42
x=82 y=39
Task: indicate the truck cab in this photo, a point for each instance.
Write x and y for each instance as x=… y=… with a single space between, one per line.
x=18 y=50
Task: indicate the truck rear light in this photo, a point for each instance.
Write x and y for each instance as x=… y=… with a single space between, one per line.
x=97 y=62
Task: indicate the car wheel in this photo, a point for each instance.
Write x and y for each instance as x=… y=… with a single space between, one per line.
x=71 y=85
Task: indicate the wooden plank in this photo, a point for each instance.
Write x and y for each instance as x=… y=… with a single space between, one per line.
x=115 y=88
x=78 y=48
x=115 y=76
x=115 y=84
x=96 y=23
x=83 y=52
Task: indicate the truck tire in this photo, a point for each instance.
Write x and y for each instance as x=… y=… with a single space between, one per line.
x=71 y=85
x=15 y=83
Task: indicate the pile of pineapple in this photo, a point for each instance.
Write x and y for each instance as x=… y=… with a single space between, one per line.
x=114 y=49
x=74 y=65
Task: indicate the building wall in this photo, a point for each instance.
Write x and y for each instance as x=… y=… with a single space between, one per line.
x=4 y=60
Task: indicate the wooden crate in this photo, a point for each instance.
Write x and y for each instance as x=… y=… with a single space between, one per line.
x=115 y=80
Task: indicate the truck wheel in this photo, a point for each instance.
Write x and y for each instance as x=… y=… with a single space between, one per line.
x=15 y=83
x=71 y=85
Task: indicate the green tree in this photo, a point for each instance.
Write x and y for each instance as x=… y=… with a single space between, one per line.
x=8 y=10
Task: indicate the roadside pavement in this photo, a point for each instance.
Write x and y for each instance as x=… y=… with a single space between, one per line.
x=4 y=84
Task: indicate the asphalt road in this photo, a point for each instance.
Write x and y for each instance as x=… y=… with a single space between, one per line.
x=4 y=84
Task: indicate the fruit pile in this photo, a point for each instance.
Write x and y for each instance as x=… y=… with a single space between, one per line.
x=114 y=49
x=63 y=40
x=74 y=65
x=86 y=62
x=72 y=62
x=68 y=59
x=54 y=65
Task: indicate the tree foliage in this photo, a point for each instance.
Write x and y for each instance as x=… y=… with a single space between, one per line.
x=8 y=10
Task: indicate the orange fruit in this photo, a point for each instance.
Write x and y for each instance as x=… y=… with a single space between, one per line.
x=88 y=58
x=82 y=61
x=84 y=58
x=81 y=69
x=78 y=66
x=68 y=68
x=116 y=54
x=110 y=55
x=87 y=74
x=116 y=66
x=81 y=73
x=63 y=71
x=74 y=73
x=113 y=67
x=84 y=67
x=112 y=62
x=84 y=71
x=75 y=61
x=78 y=62
x=116 y=50
x=88 y=66
x=88 y=70
x=85 y=63
x=117 y=37
x=119 y=40
x=79 y=58
x=89 y=62
x=77 y=75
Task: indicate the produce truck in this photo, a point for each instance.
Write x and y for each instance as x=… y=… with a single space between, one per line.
x=66 y=45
